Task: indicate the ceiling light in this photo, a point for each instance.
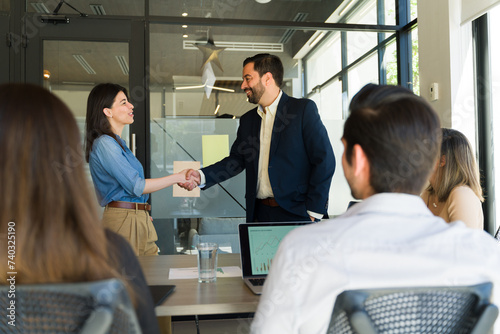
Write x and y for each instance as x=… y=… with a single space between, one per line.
x=349 y=4
x=189 y=87
x=184 y=10
x=84 y=64
x=222 y=89
x=46 y=74
x=78 y=83
x=185 y=35
x=316 y=39
x=184 y=26
x=263 y=1
x=203 y=86
x=97 y=9
x=40 y=8
x=122 y=62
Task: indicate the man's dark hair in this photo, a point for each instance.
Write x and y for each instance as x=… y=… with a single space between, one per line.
x=399 y=133
x=265 y=62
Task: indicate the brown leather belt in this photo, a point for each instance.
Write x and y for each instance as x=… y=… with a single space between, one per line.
x=270 y=201
x=130 y=205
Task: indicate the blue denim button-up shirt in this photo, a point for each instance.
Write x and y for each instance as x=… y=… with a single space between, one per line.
x=117 y=174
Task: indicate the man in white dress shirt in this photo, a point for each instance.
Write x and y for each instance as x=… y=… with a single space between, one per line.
x=391 y=143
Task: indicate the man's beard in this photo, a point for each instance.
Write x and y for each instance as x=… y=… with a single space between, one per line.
x=257 y=92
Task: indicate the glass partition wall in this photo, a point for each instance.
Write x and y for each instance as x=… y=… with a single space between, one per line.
x=195 y=105
x=185 y=59
x=4 y=49
x=195 y=94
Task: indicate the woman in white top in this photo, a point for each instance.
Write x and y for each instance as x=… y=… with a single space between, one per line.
x=454 y=192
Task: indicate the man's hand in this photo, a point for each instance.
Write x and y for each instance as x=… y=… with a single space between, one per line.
x=193 y=179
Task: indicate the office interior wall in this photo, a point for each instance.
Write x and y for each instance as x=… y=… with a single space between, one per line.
x=472 y=9
x=435 y=54
x=446 y=58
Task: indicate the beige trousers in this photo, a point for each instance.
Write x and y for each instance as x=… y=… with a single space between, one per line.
x=135 y=226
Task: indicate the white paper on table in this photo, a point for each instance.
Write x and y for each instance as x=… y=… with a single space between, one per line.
x=187 y=273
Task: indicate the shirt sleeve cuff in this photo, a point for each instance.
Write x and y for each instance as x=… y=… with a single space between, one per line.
x=314 y=214
x=203 y=180
x=140 y=184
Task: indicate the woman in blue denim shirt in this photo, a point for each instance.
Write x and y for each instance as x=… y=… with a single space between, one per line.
x=117 y=174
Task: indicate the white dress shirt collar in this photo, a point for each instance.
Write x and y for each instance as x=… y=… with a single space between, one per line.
x=272 y=107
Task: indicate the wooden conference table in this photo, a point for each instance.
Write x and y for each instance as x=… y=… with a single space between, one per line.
x=225 y=296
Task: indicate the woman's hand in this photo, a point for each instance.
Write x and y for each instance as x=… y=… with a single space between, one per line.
x=187 y=179
x=192 y=179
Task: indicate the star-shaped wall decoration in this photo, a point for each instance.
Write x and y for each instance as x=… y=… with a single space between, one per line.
x=210 y=52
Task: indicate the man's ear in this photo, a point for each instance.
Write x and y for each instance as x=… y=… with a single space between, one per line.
x=360 y=161
x=107 y=112
x=268 y=78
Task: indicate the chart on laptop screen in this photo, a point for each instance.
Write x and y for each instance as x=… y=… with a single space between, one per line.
x=264 y=242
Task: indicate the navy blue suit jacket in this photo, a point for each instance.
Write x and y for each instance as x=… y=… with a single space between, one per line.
x=301 y=159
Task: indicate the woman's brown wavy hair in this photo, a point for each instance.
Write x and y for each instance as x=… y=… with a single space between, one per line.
x=460 y=168
x=45 y=193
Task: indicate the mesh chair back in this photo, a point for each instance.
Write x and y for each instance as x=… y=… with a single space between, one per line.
x=453 y=310
x=91 y=307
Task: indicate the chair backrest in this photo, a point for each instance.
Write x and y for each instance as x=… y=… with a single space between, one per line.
x=457 y=310
x=90 y=307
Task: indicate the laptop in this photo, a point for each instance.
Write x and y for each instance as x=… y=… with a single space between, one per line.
x=258 y=244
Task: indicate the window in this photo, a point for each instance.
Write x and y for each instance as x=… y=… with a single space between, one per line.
x=364 y=73
x=324 y=62
x=494 y=20
x=414 y=62
x=391 y=63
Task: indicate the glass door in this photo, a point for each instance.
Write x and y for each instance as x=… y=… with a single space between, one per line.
x=79 y=55
x=71 y=58
x=72 y=68
x=4 y=47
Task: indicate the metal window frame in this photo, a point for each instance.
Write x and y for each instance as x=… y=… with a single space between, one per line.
x=402 y=34
x=484 y=113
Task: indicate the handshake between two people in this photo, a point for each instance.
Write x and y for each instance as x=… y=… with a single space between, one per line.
x=192 y=179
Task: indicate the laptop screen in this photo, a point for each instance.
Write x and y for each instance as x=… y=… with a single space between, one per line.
x=259 y=243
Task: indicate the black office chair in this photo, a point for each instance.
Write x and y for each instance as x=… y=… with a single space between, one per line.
x=453 y=310
x=88 y=308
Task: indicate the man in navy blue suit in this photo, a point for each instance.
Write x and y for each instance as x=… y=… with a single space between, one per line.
x=283 y=146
